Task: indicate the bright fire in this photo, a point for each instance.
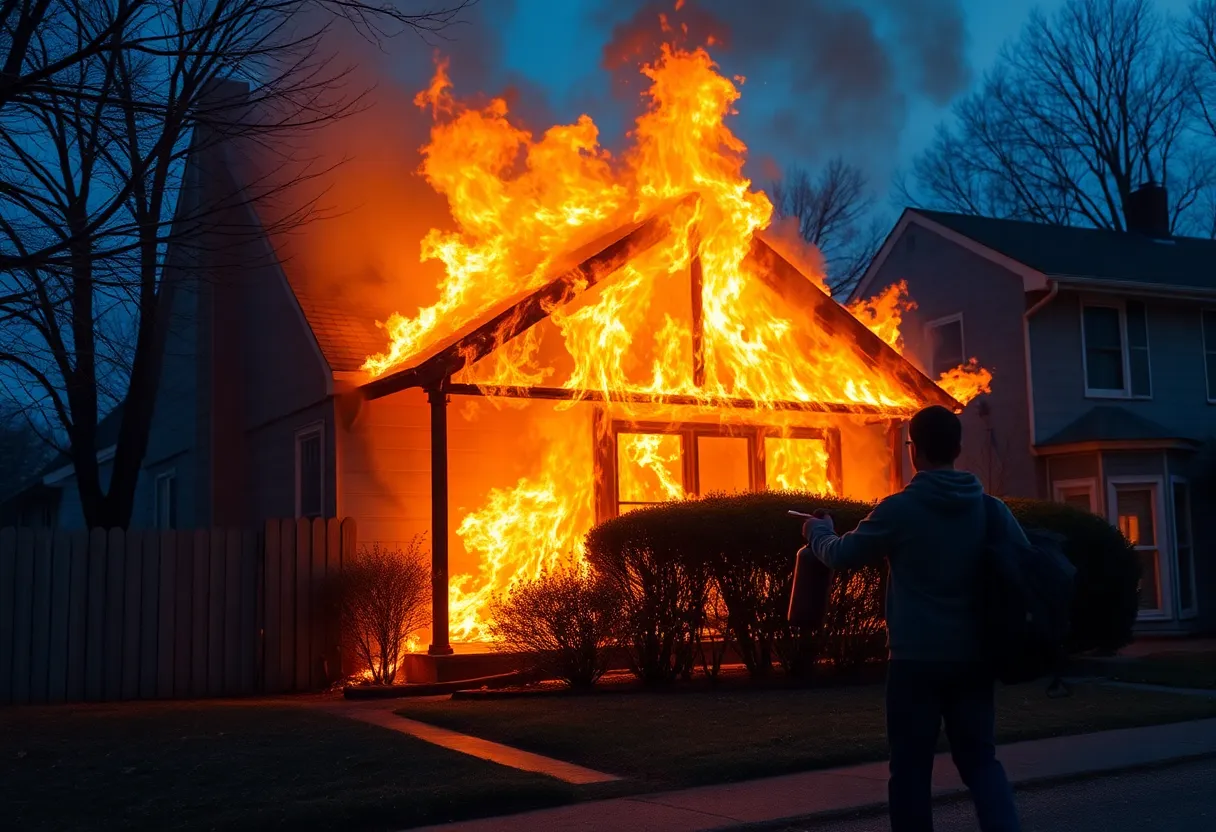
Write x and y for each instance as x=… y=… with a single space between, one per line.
x=521 y=202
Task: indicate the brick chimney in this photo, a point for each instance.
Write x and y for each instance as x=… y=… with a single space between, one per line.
x=1148 y=211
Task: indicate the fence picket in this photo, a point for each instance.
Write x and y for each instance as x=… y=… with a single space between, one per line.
x=315 y=621
x=8 y=582
x=332 y=632
x=303 y=603
x=149 y=616
x=287 y=604
x=271 y=631
x=232 y=612
x=132 y=609
x=216 y=609
x=198 y=616
x=23 y=615
x=60 y=612
x=250 y=637
x=40 y=618
x=78 y=614
x=166 y=636
x=116 y=581
x=183 y=618
x=94 y=684
x=346 y=550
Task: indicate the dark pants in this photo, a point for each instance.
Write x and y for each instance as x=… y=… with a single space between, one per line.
x=920 y=696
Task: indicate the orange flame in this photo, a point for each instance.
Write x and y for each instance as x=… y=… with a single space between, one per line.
x=519 y=204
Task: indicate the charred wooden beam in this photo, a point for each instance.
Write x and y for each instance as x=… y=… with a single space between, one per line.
x=786 y=280
x=696 y=278
x=514 y=317
x=564 y=394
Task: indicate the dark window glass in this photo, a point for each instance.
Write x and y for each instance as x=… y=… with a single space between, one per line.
x=1137 y=349
x=946 y=341
x=309 y=474
x=1182 y=539
x=1103 y=348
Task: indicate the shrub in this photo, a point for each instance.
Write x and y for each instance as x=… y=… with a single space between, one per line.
x=645 y=557
x=1107 y=595
x=746 y=545
x=565 y=621
x=384 y=595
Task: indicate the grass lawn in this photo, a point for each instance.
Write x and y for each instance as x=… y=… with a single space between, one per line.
x=1176 y=668
x=205 y=766
x=670 y=739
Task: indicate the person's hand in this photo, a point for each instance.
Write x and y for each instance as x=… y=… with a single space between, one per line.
x=821 y=521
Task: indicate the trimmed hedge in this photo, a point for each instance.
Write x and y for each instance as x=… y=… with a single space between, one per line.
x=663 y=559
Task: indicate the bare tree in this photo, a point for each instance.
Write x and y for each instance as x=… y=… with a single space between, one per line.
x=22 y=451
x=1084 y=107
x=101 y=207
x=833 y=211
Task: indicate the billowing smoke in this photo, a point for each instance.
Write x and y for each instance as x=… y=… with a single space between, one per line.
x=823 y=76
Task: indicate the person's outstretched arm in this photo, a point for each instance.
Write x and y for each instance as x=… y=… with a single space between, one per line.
x=869 y=543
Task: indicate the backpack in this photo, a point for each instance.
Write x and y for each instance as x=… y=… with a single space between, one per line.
x=1027 y=599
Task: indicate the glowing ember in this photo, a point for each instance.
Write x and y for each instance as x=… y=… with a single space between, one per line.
x=520 y=203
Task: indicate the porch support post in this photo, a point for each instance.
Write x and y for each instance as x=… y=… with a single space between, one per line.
x=438 y=398
x=895 y=435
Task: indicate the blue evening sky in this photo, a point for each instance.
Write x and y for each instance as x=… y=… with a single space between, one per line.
x=551 y=43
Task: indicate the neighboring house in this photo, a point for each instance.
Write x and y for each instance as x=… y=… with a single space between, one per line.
x=1102 y=346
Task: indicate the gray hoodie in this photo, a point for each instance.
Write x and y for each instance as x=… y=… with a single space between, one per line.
x=932 y=534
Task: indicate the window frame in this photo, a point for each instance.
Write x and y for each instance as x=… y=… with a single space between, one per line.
x=301 y=435
x=1193 y=610
x=169 y=476
x=1208 y=349
x=1090 y=484
x=1125 y=348
x=937 y=323
x=1161 y=544
x=608 y=500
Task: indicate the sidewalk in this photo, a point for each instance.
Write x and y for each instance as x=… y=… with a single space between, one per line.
x=798 y=796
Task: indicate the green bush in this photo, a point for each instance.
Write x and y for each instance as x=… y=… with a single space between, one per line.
x=1107 y=595
x=667 y=557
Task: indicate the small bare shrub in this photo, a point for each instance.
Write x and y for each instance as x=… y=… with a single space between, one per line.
x=565 y=620
x=385 y=598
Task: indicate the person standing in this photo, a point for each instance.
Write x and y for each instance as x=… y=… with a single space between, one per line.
x=933 y=535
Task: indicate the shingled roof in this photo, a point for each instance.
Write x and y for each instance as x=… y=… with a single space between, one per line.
x=1096 y=253
x=1109 y=423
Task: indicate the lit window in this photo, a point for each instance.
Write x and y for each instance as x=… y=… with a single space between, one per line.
x=650 y=469
x=1135 y=513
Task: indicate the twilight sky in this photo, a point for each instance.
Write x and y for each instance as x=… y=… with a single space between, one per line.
x=558 y=46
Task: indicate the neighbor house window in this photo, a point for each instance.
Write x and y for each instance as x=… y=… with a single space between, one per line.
x=310 y=472
x=165 y=498
x=1184 y=545
x=945 y=345
x=1076 y=493
x=1116 y=350
x=1209 y=350
x=1135 y=509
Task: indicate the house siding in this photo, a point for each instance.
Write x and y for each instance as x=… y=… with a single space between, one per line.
x=946 y=279
x=1176 y=367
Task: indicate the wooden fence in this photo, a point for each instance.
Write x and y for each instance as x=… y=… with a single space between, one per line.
x=96 y=616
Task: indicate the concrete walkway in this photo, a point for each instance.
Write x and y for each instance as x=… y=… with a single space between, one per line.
x=798 y=796
x=380 y=713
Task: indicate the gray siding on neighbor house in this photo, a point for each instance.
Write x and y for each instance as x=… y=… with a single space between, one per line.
x=272 y=464
x=946 y=279
x=1176 y=365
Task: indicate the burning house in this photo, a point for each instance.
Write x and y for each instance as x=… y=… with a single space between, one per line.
x=606 y=332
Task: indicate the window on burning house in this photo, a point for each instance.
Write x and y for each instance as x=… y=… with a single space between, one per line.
x=724 y=464
x=793 y=463
x=650 y=469
x=310 y=473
